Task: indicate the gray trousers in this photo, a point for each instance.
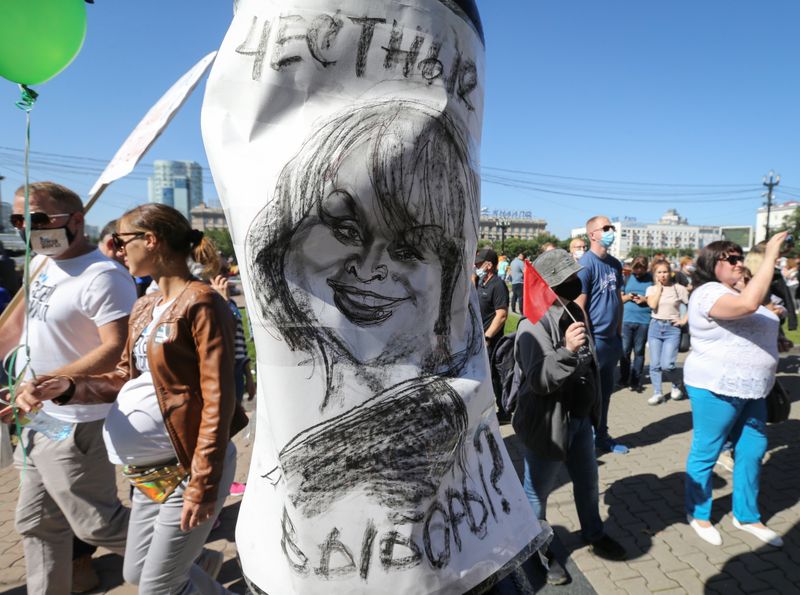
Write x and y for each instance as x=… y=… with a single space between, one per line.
x=159 y=556
x=67 y=487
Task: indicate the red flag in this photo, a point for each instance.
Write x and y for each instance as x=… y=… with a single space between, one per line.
x=537 y=295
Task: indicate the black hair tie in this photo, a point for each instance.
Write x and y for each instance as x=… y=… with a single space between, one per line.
x=195 y=236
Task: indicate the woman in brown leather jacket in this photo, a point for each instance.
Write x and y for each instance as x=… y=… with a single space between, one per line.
x=174 y=404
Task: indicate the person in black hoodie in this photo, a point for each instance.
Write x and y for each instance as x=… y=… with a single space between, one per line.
x=559 y=404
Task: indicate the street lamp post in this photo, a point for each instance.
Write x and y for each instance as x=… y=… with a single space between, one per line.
x=503 y=224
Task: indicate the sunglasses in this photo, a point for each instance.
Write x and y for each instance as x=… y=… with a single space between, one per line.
x=607 y=228
x=119 y=243
x=37 y=219
x=733 y=259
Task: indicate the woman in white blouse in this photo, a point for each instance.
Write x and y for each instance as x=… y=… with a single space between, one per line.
x=729 y=372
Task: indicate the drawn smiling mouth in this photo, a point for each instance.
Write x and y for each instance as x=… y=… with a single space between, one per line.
x=364 y=308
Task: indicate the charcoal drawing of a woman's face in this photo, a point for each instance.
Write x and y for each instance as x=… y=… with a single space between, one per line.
x=360 y=251
x=364 y=273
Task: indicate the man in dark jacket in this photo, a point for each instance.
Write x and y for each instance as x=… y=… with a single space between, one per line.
x=559 y=403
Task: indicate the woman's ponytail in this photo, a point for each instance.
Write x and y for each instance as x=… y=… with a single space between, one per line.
x=205 y=253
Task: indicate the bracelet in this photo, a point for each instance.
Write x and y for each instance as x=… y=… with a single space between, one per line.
x=67 y=395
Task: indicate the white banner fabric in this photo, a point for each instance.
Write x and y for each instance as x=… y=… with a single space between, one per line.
x=343 y=137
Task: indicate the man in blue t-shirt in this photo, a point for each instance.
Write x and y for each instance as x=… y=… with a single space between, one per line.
x=635 y=323
x=601 y=299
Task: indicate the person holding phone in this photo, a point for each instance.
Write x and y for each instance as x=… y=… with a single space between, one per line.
x=635 y=323
x=728 y=374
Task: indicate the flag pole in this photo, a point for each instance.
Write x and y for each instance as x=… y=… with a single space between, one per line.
x=563 y=305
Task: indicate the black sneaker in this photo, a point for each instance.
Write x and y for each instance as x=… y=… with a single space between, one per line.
x=607 y=548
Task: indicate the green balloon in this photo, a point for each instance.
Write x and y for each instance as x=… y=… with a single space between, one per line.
x=39 y=38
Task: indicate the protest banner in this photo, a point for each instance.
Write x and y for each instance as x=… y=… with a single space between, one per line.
x=343 y=137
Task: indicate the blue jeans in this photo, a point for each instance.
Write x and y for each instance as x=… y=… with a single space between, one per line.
x=608 y=352
x=664 y=339
x=715 y=418
x=634 y=337
x=540 y=477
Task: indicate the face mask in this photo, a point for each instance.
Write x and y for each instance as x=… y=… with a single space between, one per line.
x=481 y=273
x=690 y=268
x=578 y=253
x=50 y=242
x=607 y=239
x=569 y=290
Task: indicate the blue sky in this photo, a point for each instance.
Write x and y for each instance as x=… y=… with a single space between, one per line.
x=660 y=96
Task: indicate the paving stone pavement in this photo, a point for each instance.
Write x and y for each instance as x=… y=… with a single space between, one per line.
x=641 y=495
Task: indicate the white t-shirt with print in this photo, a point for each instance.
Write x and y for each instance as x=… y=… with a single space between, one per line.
x=134 y=432
x=736 y=358
x=69 y=300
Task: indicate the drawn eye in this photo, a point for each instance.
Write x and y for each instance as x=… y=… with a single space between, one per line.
x=347 y=234
x=405 y=253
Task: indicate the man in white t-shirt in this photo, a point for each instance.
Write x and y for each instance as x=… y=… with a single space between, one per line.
x=77 y=324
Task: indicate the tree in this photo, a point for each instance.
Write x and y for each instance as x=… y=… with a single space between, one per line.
x=222 y=239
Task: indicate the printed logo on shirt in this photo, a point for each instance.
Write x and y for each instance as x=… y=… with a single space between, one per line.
x=609 y=282
x=40 y=298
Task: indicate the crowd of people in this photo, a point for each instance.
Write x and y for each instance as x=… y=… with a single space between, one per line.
x=724 y=308
x=166 y=411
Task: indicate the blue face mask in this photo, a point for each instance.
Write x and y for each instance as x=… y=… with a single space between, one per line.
x=607 y=239
x=480 y=273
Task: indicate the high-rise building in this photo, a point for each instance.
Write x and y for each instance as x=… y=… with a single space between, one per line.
x=178 y=184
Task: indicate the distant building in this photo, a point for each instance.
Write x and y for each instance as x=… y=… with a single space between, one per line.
x=204 y=217
x=92 y=232
x=671 y=232
x=777 y=217
x=177 y=184
x=518 y=224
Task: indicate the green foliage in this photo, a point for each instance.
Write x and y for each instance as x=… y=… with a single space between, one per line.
x=532 y=248
x=223 y=241
x=792 y=225
x=649 y=252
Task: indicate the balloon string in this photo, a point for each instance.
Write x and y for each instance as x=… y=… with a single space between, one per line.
x=27 y=98
x=26 y=102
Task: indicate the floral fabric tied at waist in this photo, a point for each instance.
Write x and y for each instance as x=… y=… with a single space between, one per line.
x=156 y=482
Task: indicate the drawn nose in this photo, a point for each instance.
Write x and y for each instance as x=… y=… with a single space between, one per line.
x=364 y=273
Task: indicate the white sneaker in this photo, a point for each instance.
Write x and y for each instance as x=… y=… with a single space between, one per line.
x=655 y=400
x=765 y=534
x=676 y=394
x=709 y=534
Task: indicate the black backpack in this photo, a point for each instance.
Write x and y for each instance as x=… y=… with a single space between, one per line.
x=506 y=372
